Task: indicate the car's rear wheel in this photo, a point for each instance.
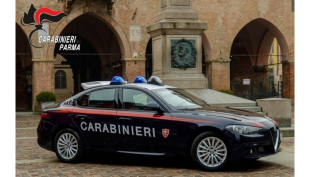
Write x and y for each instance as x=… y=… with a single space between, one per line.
x=209 y=151
x=68 y=146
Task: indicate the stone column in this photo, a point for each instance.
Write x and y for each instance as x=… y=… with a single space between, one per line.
x=288 y=80
x=43 y=79
x=177 y=45
x=218 y=74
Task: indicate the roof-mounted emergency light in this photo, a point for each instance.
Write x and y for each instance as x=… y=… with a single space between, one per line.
x=140 y=79
x=155 y=81
x=117 y=80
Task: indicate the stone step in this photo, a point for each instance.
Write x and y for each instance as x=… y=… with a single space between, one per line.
x=262 y=113
x=219 y=99
x=288 y=131
x=252 y=109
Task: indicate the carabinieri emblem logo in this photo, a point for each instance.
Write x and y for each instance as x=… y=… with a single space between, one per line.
x=165 y=132
x=38 y=16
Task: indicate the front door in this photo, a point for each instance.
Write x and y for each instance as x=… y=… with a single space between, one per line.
x=144 y=131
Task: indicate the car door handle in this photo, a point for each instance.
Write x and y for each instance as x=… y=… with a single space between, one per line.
x=124 y=118
x=81 y=116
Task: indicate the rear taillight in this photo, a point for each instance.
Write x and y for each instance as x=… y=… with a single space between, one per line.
x=44 y=115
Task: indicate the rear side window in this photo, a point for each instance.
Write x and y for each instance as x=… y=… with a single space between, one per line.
x=83 y=100
x=98 y=99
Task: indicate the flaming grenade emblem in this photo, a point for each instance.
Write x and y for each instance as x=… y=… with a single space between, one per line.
x=38 y=16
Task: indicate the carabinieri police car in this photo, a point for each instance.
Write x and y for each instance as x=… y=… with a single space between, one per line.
x=150 y=118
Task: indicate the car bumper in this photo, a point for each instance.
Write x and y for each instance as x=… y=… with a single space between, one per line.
x=45 y=135
x=253 y=146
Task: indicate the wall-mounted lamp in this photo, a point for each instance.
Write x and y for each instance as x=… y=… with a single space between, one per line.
x=135 y=54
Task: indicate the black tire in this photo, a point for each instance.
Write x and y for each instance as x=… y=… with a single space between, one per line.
x=68 y=151
x=211 y=158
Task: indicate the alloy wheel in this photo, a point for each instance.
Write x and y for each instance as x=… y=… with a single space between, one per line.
x=212 y=152
x=67 y=146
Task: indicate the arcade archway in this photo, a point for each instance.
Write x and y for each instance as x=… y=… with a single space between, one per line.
x=99 y=55
x=256 y=55
x=23 y=70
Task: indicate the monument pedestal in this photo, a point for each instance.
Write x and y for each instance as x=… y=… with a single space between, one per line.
x=277 y=108
x=177 y=45
x=185 y=81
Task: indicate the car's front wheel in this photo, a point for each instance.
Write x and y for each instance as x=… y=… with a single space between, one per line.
x=209 y=151
x=68 y=146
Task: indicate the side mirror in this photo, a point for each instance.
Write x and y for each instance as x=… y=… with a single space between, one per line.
x=71 y=102
x=153 y=106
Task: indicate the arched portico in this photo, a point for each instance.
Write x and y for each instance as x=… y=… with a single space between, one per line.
x=23 y=65
x=103 y=17
x=93 y=12
x=99 y=57
x=250 y=55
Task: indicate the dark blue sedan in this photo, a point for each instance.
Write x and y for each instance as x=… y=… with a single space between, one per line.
x=150 y=118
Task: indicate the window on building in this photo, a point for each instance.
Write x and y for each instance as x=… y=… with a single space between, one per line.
x=60 y=80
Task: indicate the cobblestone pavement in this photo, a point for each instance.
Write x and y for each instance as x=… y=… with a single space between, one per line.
x=31 y=160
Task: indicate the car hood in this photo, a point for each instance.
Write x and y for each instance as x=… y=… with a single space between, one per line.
x=233 y=114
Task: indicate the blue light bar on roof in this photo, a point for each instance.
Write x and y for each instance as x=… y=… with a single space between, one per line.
x=117 y=80
x=155 y=81
x=139 y=79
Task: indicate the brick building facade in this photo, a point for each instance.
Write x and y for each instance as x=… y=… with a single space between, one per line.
x=237 y=40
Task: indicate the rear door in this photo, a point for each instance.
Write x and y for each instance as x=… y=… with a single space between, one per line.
x=143 y=130
x=95 y=117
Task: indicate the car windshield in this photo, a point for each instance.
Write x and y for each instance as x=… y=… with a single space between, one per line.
x=178 y=98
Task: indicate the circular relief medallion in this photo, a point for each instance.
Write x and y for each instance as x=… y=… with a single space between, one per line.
x=183 y=54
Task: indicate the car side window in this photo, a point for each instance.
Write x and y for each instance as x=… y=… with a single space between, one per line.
x=83 y=100
x=98 y=99
x=135 y=99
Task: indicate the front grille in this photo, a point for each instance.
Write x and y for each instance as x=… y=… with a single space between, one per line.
x=274 y=136
x=275 y=133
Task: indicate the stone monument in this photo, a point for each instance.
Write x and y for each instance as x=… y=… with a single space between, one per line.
x=177 y=45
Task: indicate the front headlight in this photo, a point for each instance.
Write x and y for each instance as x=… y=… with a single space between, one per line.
x=243 y=129
x=272 y=120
